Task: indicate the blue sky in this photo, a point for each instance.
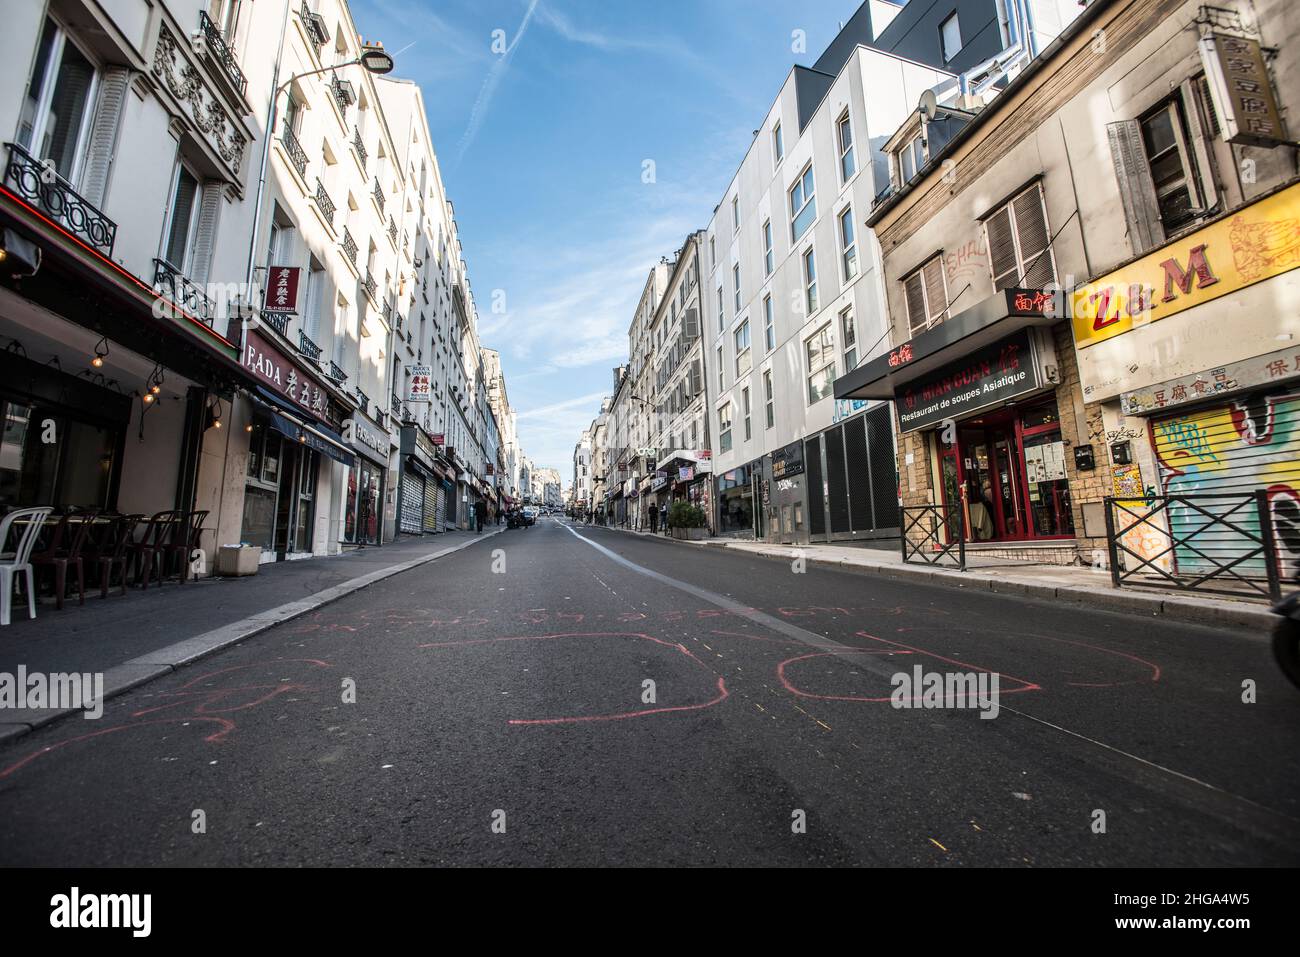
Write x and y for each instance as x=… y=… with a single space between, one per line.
x=542 y=150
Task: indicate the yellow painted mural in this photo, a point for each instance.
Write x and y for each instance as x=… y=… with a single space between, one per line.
x=1255 y=243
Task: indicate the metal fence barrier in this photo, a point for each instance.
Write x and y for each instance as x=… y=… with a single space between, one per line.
x=1219 y=543
x=939 y=532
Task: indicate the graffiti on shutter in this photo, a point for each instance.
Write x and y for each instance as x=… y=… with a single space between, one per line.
x=1233 y=448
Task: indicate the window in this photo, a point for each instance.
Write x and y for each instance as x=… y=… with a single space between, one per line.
x=950 y=37
x=820 y=350
x=849 y=337
x=926 y=294
x=911 y=159
x=183 y=220
x=735 y=214
x=848 y=245
x=1018 y=243
x=803 y=203
x=724 y=427
x=743 y=360
x=767 y=247
x=769 y=403
x=713 y=253
x=769 y=327
x=1173 y=170
x=844 y=133
x=722 y=318
x=735 y=285
x=778 y=144
x=56 y=112
x=317 y=296
x=721 y=370
x=744 y=406
x=810 y=281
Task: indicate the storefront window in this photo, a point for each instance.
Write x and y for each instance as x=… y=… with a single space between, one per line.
x=306 y=514
x=261 y=492
x=74 y=471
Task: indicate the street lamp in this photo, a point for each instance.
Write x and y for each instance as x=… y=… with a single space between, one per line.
x=374 y=58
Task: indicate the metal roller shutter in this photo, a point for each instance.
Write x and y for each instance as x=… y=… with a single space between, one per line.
x=884 y=467
x=812 y=457
x=838 y=482
x=859 y=465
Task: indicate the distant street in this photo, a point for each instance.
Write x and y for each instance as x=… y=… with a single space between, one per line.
x=505 y=717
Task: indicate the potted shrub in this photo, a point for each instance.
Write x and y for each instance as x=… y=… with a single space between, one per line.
x=688 y=521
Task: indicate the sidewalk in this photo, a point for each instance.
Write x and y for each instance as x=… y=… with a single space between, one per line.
x=134 y=637
x=1071 y=583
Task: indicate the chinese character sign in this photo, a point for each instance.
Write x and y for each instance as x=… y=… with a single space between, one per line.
x=281 y=290
x=421 y=384
x=1241 y=90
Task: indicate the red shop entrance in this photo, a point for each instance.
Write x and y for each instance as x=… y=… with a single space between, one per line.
x=1006 y=468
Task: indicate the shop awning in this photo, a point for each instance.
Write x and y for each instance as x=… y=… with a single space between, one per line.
x=997 y=317
x=318 y=437
x=420 y=467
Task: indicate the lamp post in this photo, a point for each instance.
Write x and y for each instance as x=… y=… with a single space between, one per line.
x=376 y=60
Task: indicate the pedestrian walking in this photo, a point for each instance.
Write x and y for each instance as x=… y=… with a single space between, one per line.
x=654 y=518
x=478 y=517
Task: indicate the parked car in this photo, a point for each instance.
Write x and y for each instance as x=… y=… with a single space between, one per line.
x=530 y=515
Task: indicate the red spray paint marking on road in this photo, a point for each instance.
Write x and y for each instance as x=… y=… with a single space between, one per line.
x=1155 y=668
x=722 y=695
x=793 y=689
x=202 y=712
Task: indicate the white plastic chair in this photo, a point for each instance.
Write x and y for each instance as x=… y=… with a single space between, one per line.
x=19 y=560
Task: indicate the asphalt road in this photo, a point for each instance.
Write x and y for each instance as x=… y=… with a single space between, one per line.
x=502 y=716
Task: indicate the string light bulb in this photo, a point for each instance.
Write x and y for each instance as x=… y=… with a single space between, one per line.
x=101 y=350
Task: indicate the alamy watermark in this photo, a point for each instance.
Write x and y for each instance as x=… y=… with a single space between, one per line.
x=974 y=690
x=78 y=691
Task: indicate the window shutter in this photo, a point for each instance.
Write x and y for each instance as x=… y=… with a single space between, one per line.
x=103 y=134
x=913 y=292
x=936 y=296
x=1136 y=188
x=205 y=235
x=1031 y=231
x=1002 y=249
x=697 y=378
x=691 y=324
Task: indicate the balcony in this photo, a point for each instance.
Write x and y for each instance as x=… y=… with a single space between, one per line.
x=336 y=373
x=52 y=195
x=308 y=348
x=277 y=321
x=314 y=23
x=296 y=154
x=360 y=147
x=379 y=195
x=221 y=53
x=363 y=401
x=173 y=284
x=387 y=311
x=349 y=246
x=344 y=95
x=324 y=203
x=396 y=410
x=392 y=230
x=370 y=286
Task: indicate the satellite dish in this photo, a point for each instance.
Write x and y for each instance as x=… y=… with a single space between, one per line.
x=929 y=105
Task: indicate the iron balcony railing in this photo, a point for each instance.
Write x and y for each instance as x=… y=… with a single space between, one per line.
x=379 y=194
x=392 y=230
x=387 y=310
x=363 y=400
x=336 y=373
x=40 y=184
x=324 y=203
x=1200 y=542
x=296 y=153
x=221 y=52
x=277 y=321
x=395 y=410
x=933 y=535
x=315 y=25
x=341 y=90
x=370 y=286
x=307 y=347
x=173 y=284
x=349 y=246
x=359 y=146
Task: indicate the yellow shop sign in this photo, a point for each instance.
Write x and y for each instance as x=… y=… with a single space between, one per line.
x=1256 y=243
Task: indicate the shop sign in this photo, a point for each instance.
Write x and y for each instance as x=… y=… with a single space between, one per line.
x=989 y=376
x=1241 y=90
x=284 y=377
x=421 y=384
x=424 y=449
x=1259 y=371
x=686 y=473
x=365 y=439
x=281 y=294
x=787 y=461
x=1254 y=244
x=438 y=438
x=660 y=480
